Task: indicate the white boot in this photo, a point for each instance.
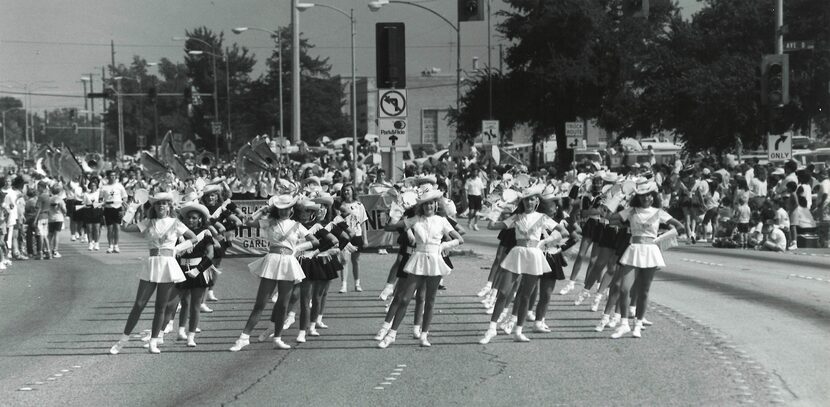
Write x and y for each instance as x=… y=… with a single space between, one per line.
x=182 y=334
x=191 y=339
x=154 y=346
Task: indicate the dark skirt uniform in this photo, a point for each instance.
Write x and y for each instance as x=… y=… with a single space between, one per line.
x=321 y=268
x=203 y=279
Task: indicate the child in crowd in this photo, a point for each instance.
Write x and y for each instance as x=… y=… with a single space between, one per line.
x=742 y=216
x=774 y=239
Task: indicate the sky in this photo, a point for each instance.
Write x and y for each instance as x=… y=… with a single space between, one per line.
x=46 y=46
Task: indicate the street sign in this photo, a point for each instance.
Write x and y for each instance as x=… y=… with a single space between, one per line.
x=574 y=132
x=780 y=147
x=392 y=132
x=490 y=132
x=391 y=103
x=216 y=127
x=798 y=45
x=460 y=149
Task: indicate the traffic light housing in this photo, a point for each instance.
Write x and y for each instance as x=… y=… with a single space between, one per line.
x=390 y=57
x=152 y=93
x=635 y=8
x=775 y=80
x=471 y=10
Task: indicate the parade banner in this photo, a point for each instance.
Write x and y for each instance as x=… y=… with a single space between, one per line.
x=250 y=241
x=377 y=209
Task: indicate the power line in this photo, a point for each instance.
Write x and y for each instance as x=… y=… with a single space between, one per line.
x=93 y=44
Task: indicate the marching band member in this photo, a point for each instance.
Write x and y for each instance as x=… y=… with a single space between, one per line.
x=643 y=258
x=526 y=259
x=161 y=271
x=279 y=268
x=425 y=266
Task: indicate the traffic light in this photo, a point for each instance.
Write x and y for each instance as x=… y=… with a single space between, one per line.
x=152 y=93
x=471 y=10
x=390 y=55
x=775 y=80
x=635 y=8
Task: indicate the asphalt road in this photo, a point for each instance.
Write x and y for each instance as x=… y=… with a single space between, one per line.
x=730 y=327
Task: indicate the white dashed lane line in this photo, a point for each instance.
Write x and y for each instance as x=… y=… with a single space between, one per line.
x=702 y=262
x=391 y=377
x=819 y=279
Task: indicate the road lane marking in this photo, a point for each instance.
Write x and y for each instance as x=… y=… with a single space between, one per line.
x=811 y=278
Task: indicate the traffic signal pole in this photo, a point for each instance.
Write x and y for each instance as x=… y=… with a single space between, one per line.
x=779 y=27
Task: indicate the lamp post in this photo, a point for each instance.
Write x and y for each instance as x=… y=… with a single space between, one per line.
x=215 y=87
x=215 y=95
x=350 y=15
x=378 y=4
x=275 y=35
x=295 y=72
x=3 y=113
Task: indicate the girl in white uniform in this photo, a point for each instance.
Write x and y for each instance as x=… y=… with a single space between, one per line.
x=526 y=259
x=161 y=271
x=425 y=266
x=643 y=257
x=279 y=268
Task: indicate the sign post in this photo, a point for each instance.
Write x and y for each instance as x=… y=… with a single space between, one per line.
x=780 y=147
x=490 y=132
x=574 y=133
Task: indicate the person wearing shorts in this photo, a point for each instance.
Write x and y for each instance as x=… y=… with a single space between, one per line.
x=474 y=186
x=114 y=196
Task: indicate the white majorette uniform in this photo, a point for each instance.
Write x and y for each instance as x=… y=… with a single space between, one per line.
x=426 y=260
x=280 y=263
x=642 y=252
x=161 y=235
x=527 y=257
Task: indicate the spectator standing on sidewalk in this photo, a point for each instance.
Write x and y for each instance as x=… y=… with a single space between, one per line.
x=474 y=187
x=57 y=214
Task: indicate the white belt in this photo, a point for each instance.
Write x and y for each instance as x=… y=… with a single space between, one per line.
x=430 y=248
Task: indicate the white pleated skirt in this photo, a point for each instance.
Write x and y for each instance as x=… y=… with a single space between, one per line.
x=643 y=256
x=526 y=260
x=161 y=269
x=427 y=264
x=276 y=266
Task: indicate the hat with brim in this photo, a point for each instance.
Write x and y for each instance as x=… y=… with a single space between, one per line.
x=610 y=177
x=162 y=196
x=533 y=190
x=282 y=201
x=307 y=205
x=428 y=196
x=212 y=188
x=549 y=193
x=312 y=180
x=425 y=179
x=647 y=187
x=193 y=206
x=778 y=171
x=324 y=198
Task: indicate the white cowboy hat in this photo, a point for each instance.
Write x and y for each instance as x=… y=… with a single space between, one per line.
x=163 y=196
x=408 y=199
x=211 y=189
x=307 y=204
x=429 y=195
x=282 y=201
x=323 y=198
x=312 y=180
x=532 y=190
x=509 y=195
x=193 y=206
x=610 y=177
x=549 y=193
x=646 y=187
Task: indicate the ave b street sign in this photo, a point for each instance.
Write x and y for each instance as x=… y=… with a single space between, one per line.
x=780 y=147
x=391 y=103
x=392 y=132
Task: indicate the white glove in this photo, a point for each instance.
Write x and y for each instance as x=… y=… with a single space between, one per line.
x=449 y=245
x=350 y=248
x=203 y=234
x=554 y=239
x=301 y=247
x=192 y=272
x=186 y=245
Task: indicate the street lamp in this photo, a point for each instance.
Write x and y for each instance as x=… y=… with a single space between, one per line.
x=378 y=4
x=28 y=88
x=227 y=91
x=275 y=35
x=350 y=15
x=215 y=90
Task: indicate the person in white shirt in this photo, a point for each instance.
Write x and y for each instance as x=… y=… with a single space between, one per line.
x=115 y=197
x=474 y=187
x=774 y=239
